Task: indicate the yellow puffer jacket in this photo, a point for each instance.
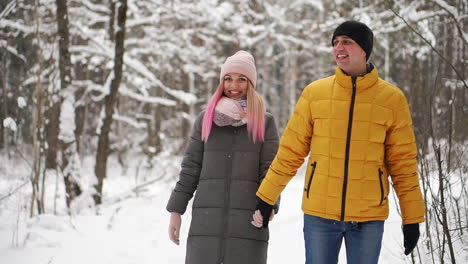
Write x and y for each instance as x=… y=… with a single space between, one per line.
x=349 y=162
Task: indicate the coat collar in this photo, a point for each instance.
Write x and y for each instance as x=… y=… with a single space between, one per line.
x=362 y=82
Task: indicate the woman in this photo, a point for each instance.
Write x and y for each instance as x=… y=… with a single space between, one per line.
x=231 y=147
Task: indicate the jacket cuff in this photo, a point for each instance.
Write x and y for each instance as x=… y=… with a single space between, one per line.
x=177 y=202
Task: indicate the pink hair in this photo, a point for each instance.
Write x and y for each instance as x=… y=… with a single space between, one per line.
x=255 y=114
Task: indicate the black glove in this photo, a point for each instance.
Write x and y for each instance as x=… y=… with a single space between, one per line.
x=410 y=237
x=265 y=211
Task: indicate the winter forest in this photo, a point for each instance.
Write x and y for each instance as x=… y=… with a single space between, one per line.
x=98 y=98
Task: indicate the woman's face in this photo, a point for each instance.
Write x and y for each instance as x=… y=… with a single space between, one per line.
x=235 y=85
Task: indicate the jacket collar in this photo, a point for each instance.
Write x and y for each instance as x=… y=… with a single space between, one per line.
x=362 y=82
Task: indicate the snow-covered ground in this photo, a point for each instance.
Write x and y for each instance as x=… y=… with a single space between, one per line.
x=133 y=228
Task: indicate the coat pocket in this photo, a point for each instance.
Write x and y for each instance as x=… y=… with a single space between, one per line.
x=309 y=182
x=382 y=193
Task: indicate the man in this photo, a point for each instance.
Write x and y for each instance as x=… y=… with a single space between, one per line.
x=357 y=130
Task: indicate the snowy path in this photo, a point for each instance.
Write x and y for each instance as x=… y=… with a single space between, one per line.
x=135 y=231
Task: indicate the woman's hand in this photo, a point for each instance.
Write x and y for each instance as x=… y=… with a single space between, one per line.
x=262 y=212
x=257 y=219
x=174 y=227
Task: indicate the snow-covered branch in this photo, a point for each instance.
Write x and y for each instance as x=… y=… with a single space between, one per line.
x=12 y=50
x=146 y=99
x=453 y=13
x=138 y=67
x=9 y=7
x=16 y=25
x=129 y=121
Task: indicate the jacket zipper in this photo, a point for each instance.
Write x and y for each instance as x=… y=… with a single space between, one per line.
x=227 y=198
x=381 y=187
x=348 y=146
x=314 y=165
x=226 y=208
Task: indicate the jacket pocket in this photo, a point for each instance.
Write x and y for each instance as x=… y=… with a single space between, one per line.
x=382 y=194
x=314 y=165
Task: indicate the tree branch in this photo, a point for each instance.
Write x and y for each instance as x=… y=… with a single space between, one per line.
x=8 y=9
x=460 y=76
x=13 y=191
x=447 y=8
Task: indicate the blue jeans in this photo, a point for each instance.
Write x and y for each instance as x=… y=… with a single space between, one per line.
x=323 y=239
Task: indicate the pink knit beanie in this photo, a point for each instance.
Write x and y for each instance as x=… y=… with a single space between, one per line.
x=242 y=62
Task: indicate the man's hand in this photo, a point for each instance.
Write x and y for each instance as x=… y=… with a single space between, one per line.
x=410 y=237
x=174 y=227
x=263 y=214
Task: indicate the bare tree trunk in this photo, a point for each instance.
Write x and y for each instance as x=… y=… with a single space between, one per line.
x=459 y=47
x=4 y=66
x=52 y=111
x=426 y=185
x=80 y=119
x=443 y=209
x=188 y=84
x=52 y=133
x=112 y=20
x=37 y=128
x=153 y=128
x=109 y=102
x=291 y=86
x=68 y=142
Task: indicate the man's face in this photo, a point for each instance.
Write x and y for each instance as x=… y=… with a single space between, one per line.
x=349 y=56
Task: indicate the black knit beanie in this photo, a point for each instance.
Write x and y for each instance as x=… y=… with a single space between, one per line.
x=358 y=32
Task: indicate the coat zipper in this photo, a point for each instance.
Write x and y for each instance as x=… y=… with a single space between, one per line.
x=226 y=211
x=348 y=147
x=227 y=198
x=314 y=165
x=381 y=187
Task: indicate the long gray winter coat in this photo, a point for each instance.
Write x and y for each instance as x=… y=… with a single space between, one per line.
x=225 y=172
